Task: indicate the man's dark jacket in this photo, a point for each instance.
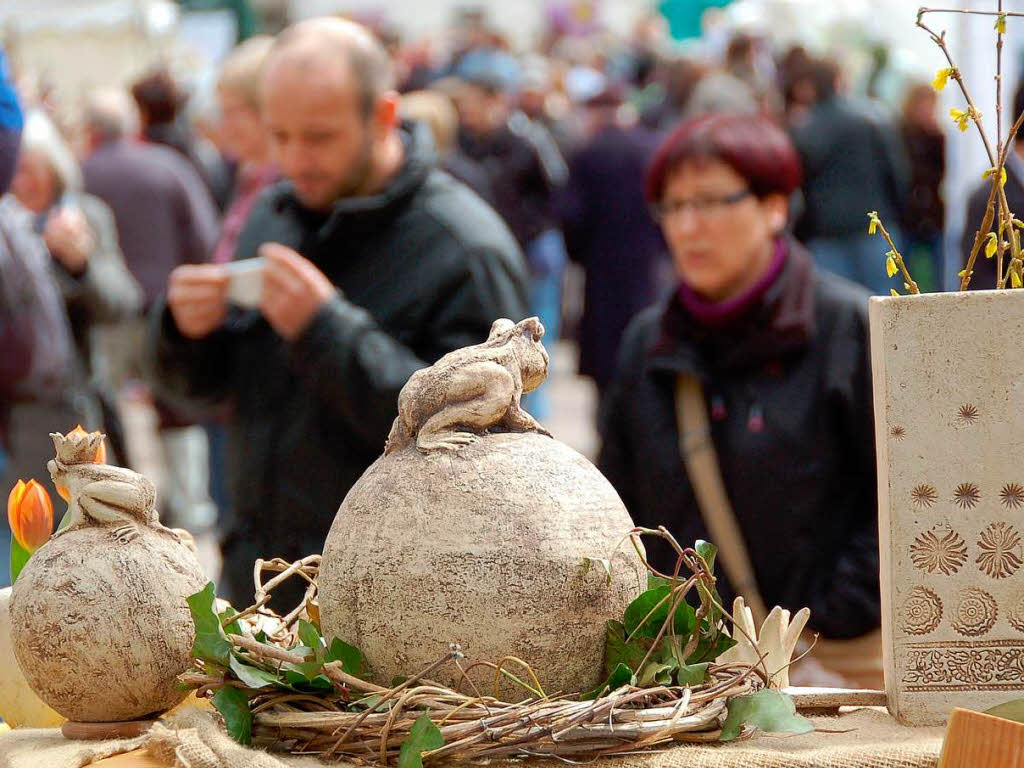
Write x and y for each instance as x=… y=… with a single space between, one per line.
x=423 y=268
x=853 y=162
x=790 y=398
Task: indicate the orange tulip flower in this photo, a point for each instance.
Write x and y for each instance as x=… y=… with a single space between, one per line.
x=30 y=513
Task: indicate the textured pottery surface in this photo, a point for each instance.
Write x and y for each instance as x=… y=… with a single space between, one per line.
x=99 y=620
x=949 y=421
x=19 y=706
x=477 y=531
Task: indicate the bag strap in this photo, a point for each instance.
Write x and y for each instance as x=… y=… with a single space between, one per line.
x=701 y=460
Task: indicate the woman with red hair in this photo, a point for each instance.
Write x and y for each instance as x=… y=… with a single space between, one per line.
x=767 y=357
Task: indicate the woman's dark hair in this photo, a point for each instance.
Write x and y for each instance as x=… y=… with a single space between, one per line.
x=753 y=145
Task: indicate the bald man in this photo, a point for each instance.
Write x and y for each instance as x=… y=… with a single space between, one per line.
x=376 y=264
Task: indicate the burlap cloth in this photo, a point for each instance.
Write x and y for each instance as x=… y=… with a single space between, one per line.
x=863 y=738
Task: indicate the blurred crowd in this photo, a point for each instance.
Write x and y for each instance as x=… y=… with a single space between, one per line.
x=401 y=196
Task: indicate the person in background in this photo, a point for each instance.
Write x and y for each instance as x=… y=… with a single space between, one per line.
x=925 y=213
x=161 y=109
x=526 y=170
x=853 y=163
x=983 y=277
x=165 y=217
x=436 y=110
x=376 y=264
x=79 y=231
x=244 y=136
x=775 y=352
x=609 y=232
x=43 y=388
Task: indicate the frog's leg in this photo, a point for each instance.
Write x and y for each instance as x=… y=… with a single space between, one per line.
x=477 y=397
x=518 y=420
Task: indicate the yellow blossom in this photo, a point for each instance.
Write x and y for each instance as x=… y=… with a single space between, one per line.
x=890 y=266
x=1001 y=24
x=941 y=77
x=991 y=245
x=962 y=117
x=893 y=292
x=1015 y=279
x=1002 y=175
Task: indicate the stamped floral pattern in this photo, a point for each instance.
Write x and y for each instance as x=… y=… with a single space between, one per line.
x=1000 y=553
x=922 y=612
x=940 y=549
x=924 y=495
x=1012 y=495
x=975 y=612
x=966 y=495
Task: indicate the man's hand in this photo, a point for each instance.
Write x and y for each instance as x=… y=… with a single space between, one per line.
x=69 y=239
x=197 y=297
x=293 y=290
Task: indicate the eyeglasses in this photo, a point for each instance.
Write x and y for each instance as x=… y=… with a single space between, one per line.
x=701 y=206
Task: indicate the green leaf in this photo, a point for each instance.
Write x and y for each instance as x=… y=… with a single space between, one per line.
x=310 y=636
x=620 y=676
x=302 y=673
x=771 y=711
x=233 y=627
x=211 y=644
x=234 y=708
x=252 y=676
x=1010 y=710
x=709 y=649
x=684 y=621
x=692 y=675
x=423 y=736
x=617 y=651
x=707 y=552
x=656 y=672
x=261 y=637
x=351 y=658
x=19 y=556
x=653 y=582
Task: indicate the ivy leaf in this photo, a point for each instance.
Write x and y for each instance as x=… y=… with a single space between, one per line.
x=19 y=556
x=684 y=621
x=306 y=671
x=692 y=675
x=771 y=711
x=351 y=658
x=211 y=644
x=310 y=636
x=232 y=627
x=1010 y=710
x=618 y=651
x=659 y=672
x=252 y=676
x=709 y=649
x=653 y=582
x=620 y=676
x=707 y=552
x=234 y=708
x=423 y=736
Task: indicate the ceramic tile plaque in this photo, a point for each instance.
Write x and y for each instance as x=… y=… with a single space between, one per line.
x=948 y=379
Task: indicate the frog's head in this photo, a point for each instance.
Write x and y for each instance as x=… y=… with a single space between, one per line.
x=533 y=358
